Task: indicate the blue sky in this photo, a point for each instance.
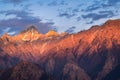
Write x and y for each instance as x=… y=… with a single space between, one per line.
x=60 y=15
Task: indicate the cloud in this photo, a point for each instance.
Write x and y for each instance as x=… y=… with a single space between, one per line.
x=100 y=15
x=92 y=7
x=97 y=5
x=6 y=29
x=27 y=6
x=57 y=3
x=25 y=19
x=110 y=3
x=65 y=13
x=63 y=3
x=22 y=23
x=78 y=18
x=18 y=13
x=103 y=4
x=12 y=33
x=13 y=1
x=71 y=29
x=68 y=13
x=53 y=3
x=41 y=3
x=113 y=2
x=106 y=12
x=75 y=10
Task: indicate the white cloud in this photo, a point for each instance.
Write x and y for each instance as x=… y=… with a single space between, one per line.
x=12 y=33
x=6 y=29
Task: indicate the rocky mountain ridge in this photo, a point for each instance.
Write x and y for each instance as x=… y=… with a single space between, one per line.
x=88 y=55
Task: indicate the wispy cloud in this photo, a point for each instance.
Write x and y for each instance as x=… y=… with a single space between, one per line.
x=57 y=3
x=25 y=20
x=59 y=13
x=68 y=13
x=100 y=15
x=71 y=29
x=113 y=2
x=13 y=1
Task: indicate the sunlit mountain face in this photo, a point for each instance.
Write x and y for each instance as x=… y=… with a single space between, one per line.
x=59 y=39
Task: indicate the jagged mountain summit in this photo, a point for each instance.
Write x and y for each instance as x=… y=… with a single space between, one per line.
x=31 y=34
x=31 y=29
x=92 y=54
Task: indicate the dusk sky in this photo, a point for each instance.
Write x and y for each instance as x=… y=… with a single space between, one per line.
x=60 y=15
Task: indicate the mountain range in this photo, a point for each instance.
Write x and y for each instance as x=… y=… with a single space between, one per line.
x=92 y=54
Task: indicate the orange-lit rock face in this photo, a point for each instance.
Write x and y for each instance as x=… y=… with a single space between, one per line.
x=51 y=33
x=30 y=34
x=94 y=37
x=5 y=38
x=87 y=48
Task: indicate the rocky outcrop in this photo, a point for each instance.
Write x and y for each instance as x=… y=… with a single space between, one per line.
x=25 y=71
x=52 y=33
x=73 y=72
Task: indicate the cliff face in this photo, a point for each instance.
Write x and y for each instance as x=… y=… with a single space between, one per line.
x=90 y=54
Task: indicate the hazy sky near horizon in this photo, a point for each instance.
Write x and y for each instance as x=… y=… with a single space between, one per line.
x=60 y=15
